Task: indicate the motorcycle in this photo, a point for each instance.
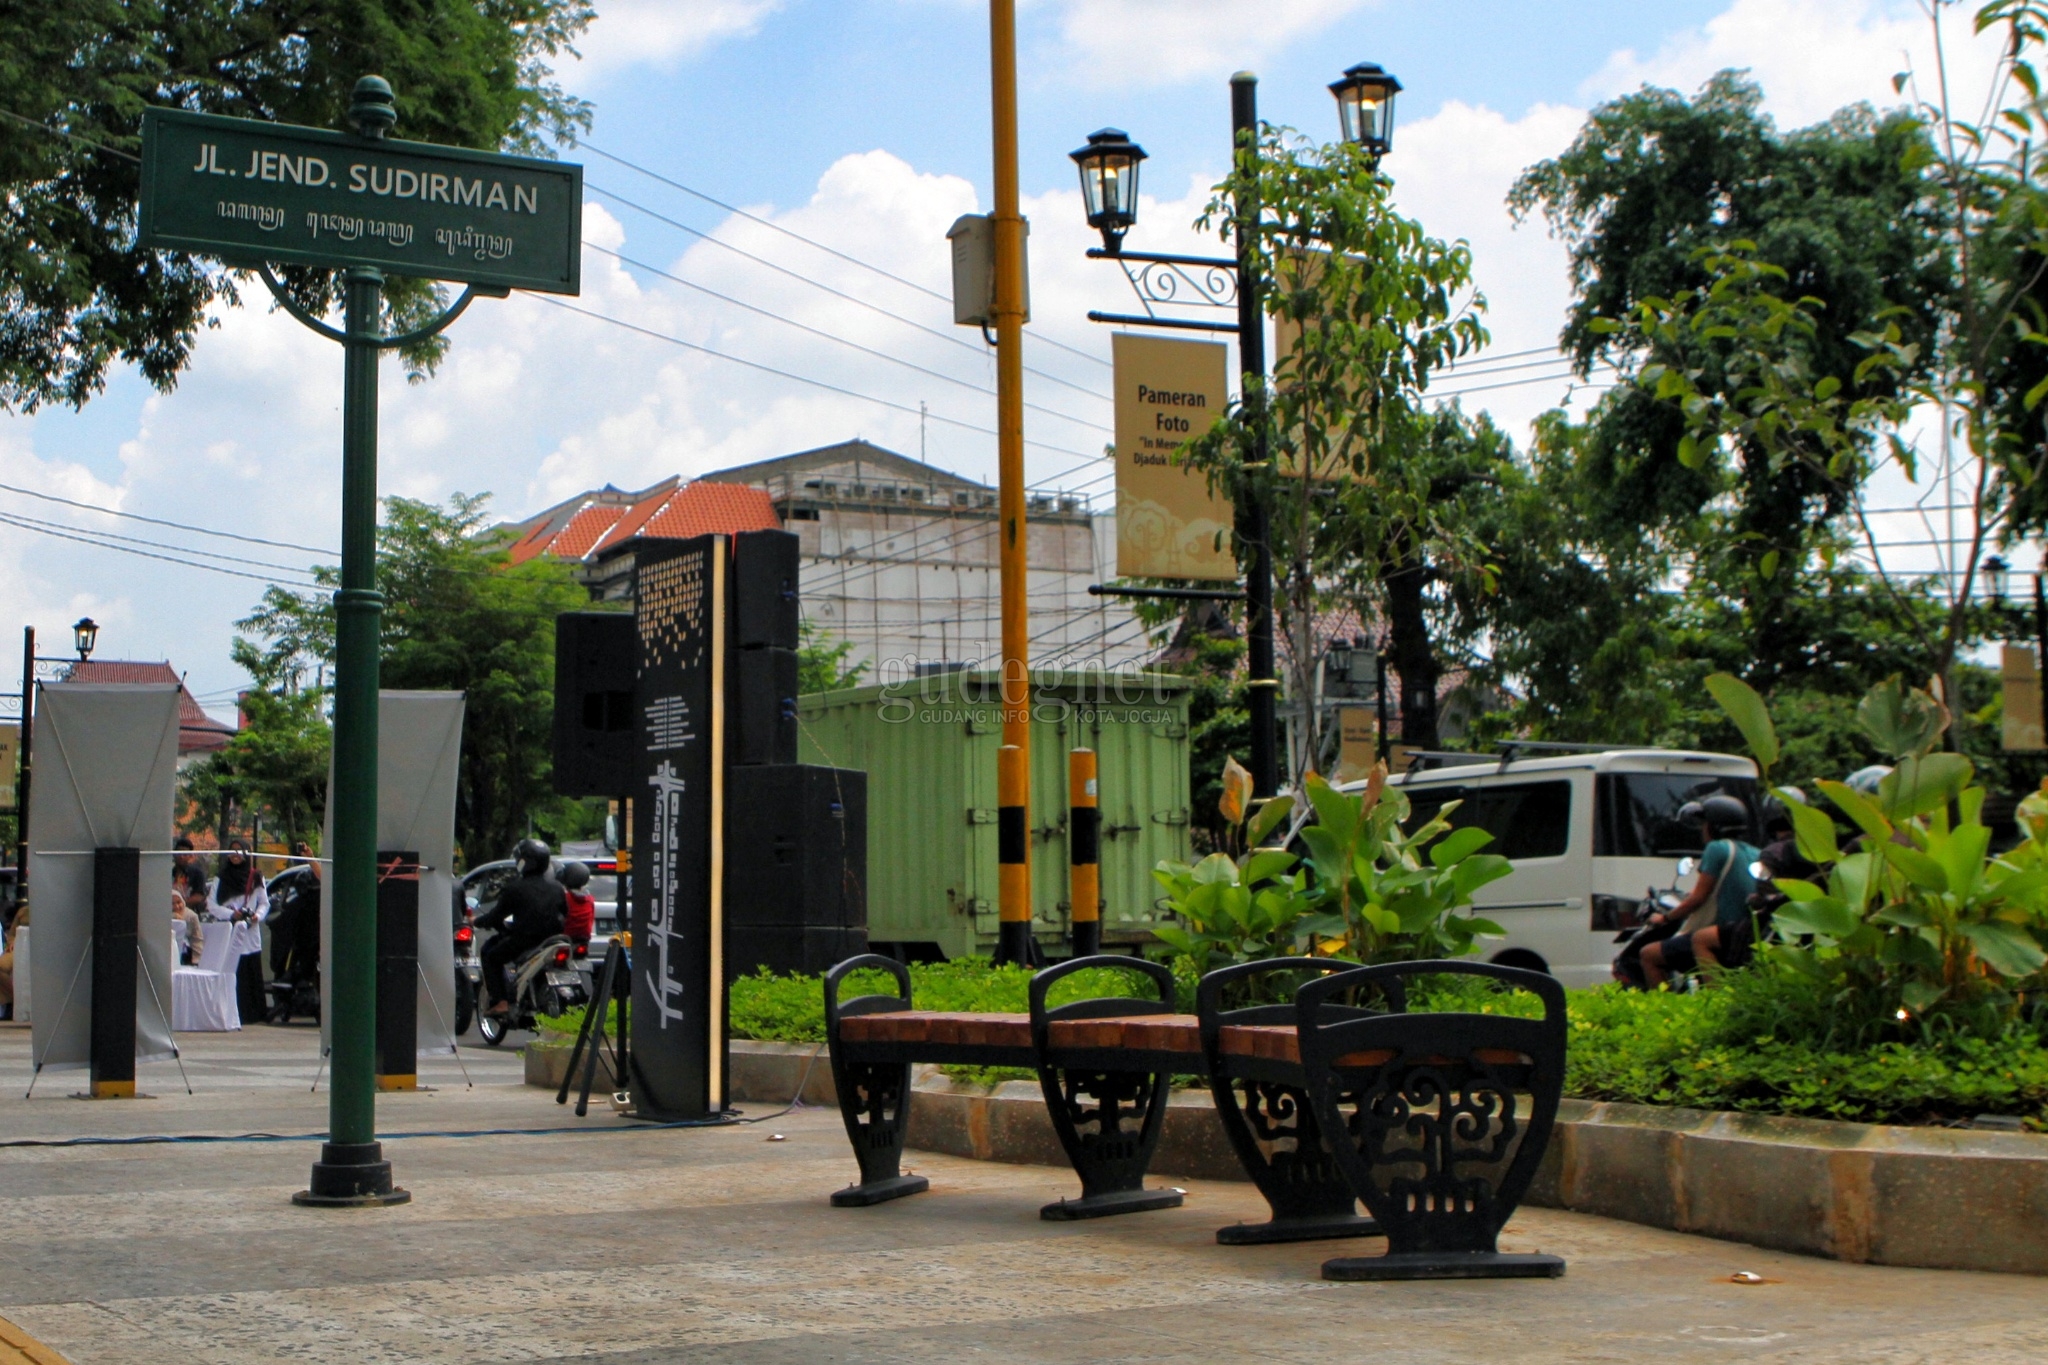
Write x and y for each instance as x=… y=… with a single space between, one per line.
x=1640 y=931
x=544 y=982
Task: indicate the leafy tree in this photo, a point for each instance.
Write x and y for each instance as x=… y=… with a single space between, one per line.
x=1367 y=306
x=458 y=616
x=76 y=293
x=821 y=661
x=1653 y=187
x=274 y=767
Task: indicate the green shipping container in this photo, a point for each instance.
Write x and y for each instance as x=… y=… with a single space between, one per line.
x=929 y=748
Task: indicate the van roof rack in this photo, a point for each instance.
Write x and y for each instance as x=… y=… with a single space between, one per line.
x=1510 y=750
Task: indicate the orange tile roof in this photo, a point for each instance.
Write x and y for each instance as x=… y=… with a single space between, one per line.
x=635 y=517
x=707 y=508
x=584 y=530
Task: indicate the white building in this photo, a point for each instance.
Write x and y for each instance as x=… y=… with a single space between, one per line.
x=899 y=557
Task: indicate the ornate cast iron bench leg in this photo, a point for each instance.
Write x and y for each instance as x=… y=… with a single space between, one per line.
x=874 y=1097
x=1108 y=1117
x=1271 y=1123
x=1426 y=1115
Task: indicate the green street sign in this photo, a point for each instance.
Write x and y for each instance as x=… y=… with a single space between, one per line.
x=250 y=192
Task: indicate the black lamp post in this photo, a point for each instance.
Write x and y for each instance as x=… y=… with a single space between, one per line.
x=84 y=635
x=1109 y=190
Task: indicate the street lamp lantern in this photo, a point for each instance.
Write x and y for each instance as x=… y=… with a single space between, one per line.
x=1109 y=183
x=1365 y=106
x=85 y=635
x=1997 y=575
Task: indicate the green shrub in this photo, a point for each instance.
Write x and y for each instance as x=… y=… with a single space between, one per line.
x=791 y=1009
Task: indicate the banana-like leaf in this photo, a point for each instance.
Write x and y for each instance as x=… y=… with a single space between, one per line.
x=1904 y=914
x=1858 y=808
x=1237 y=790
x=1475 y=872
x=1458 y=845
x=1901 y=721
x=1749 y=713
x=1816 y=833
x=1268 y=818
x=1919 y=869
x=1921 y=995
x=1827 y=916
x=1266 y=862
x=1385 y=921
x=2006 y=949
x=1798 y=890
x=1923 y=783
x=1216 y=869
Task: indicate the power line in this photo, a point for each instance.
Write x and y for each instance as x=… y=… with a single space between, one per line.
x=19 y=519
x=10 y=520
x=843 y=341
x=836 y=293
x=812 y=242
x=40 y=126
x=798 y=378
x=174 y=525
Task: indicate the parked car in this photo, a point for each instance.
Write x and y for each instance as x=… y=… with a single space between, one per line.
x=1588 y=832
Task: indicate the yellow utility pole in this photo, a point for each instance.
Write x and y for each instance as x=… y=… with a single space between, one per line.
x=1015 y=943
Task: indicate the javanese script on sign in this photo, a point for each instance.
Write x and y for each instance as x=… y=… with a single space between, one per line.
x=247 y=192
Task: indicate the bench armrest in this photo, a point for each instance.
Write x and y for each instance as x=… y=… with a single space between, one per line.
x=859 y=1004
x=1312 y=1001
x=1209 y=994
x=1042 y=982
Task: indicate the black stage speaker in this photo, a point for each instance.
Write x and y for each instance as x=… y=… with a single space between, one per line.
x=796 y=867
x=763 y=710
x=764 y=575
x=596 y=659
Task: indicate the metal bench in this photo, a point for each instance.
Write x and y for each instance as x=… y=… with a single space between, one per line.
x=1327 y=1102
x=1254 y=1067
x=1104 y=1066
x=1424 y=1115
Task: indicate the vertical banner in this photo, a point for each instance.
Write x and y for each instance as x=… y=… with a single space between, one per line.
x=678 y=1027
x=1168 y=523
x=106 y=762
x=419 y=756
x=2021 y=676
x=10 y=761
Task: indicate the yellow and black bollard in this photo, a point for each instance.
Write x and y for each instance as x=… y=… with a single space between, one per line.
x=1014 y=943
x=1084 y=844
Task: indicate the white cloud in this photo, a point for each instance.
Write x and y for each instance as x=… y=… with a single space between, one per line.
x=661 y=32
x=1812 y=57
x=1133 y=43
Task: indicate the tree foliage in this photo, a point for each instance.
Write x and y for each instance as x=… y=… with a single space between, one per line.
x=1367 y=306
x=76 y=293
x=458 y=616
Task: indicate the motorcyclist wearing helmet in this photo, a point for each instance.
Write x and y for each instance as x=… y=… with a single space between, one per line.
x=530 y=911
x=1724 y=877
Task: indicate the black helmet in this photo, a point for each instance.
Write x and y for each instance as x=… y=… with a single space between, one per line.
x=1719 y=812
x=575 y=876
x=533 y=857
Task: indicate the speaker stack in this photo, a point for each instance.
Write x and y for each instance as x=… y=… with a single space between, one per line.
x=796 y=834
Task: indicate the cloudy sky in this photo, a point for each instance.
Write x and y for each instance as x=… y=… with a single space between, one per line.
x=862 y=125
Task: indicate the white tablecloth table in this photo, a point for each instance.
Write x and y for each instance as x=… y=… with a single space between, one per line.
x=203 y=997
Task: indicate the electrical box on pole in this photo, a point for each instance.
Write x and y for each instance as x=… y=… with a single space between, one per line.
x=973 y=237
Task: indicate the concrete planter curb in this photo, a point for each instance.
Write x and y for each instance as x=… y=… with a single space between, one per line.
x=548 y=1065
x=1939 y=1198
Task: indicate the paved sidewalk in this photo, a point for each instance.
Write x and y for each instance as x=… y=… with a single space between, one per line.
x=628 y=1245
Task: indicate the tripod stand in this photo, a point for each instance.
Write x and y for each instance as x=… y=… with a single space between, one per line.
x=614 y=982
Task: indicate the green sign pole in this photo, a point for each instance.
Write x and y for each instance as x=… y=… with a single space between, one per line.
x=352 y=1169
x=254 y=194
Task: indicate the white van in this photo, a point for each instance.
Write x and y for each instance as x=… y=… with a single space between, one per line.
x=1589 y=831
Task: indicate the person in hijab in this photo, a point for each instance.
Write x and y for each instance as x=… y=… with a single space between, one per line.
x=238 y=897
